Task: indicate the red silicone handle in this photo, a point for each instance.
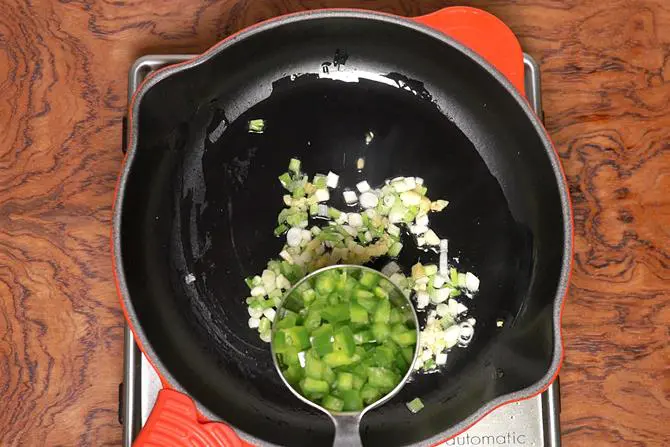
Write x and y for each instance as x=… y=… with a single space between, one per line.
x=483 y=33
x=174 y=422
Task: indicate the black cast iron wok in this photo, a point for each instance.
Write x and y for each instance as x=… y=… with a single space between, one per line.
x=198 y=195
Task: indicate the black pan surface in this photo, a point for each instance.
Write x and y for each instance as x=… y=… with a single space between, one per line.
x=201 y=196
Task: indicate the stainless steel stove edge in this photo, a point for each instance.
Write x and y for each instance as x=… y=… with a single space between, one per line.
x=140 y=383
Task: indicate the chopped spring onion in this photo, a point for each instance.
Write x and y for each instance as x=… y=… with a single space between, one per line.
x=318 y=234
x=294 y=165
x=438 y=205
x=369 y=135
x=415 y=405
x=256 y=126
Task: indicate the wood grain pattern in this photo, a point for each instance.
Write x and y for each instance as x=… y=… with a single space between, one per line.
x=63 y=65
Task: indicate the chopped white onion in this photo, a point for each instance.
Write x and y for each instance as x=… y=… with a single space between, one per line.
x=418 y=229
x=418 y=180
x=442 y=310
x=355 y=220
x=332 y=179
x=389 y=200
x=438 y=281
x=322 y=210
x=321 y=195
x=396 y=215
x=393 y=230
x=306 y=235
x=254 y=322
x=450 y=336
x=255 y=312
x=422 y=299
x=422 y=280
x=350 y=197
x=269 y=313
x=258 y=291
x=422 y=219
x=283 y=283
x=471 y=282
x=466 y=331
x=390 y=268
x=363 y=186
x=410 y=198
x=444 y=256
x=431 y=238
x=350 y=230
x=440 y=295
x=369 y=200
x=441 y=358
x=294 y=237
x=456 y=308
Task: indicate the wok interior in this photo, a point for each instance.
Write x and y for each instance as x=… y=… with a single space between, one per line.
x=202 y=198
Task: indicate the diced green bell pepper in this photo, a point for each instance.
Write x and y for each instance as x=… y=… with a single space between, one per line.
x=344 y=341
x=314 y=386
x=287 y=320
x=380 y=331
x=369 y=279
x=345 y=381
x=370 y=394
x=352 y=400
x=325 y=284
x=358 y=314
x=336 y=313
x=405 y=338
x=382 y=378
x=335 y=359
x=313 y=319
x=293 y=374
x=322 y=340
x=383 y=312
x=357 y=382
x=332 y=403
x=362 y=337
x=296 y=337
x=314 y=367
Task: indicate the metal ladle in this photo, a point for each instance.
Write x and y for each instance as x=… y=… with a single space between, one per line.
x=347 y=424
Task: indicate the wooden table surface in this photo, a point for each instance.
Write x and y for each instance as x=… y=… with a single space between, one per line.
x=63 y=65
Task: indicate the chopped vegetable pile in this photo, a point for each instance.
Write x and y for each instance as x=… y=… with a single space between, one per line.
x=376 y=224
x=344 y=339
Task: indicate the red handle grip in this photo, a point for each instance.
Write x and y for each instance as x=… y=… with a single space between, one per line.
x=174 y=422
x=483 y=33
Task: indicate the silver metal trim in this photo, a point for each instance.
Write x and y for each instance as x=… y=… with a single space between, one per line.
x=136 y=383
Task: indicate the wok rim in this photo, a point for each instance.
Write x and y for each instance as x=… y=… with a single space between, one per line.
x=169 y=381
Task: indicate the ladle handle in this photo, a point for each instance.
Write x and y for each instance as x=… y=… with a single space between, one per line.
x=347 y=430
